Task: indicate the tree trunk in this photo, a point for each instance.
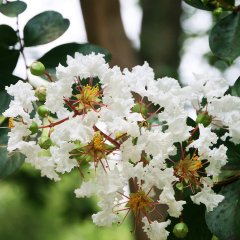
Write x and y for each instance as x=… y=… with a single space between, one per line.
x=104 y=27
x=160 y=41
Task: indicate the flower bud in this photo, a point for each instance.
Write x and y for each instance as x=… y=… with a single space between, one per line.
x=218 y=11
x=179 y=186
x=204 y=119
x=42 y=111
x=140 y=108
x=40 y=93
x=45 y=142
x=37 y=68
x=180 y=230
x=33 y=128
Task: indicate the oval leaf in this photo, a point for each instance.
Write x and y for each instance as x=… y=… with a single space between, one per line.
x=5 y=100
x=224 y=38
x=235 y=89
x=59 y=54
x=199 y=4
x=9 y=163
x=8 y=60
x=7 y=79
x=8 y=36
x=44 y=28
x=12 y=9
x=223 y=221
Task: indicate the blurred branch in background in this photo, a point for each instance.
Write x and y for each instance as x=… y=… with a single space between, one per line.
x=160 y=35
x=105 y=28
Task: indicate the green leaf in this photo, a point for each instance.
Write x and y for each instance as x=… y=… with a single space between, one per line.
x=224 y=37
x=200 y=5
x=224 y=220
x=194 y=217
x=5 y=100
x=9 y=163
x=235 y=89
x=7 y=79
x=12 y=9
x=44 y=28
x=59 y=54
x=8 y=36
x=8 y=60
x=233 y=154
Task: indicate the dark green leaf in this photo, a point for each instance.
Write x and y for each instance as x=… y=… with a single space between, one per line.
x=8 y=36
x=7 y=80
x=59 y=54
x=231 y=2
x=224 y=220
x=224 y=37
x=5 y=100
x=235 y=89
x=194 y=217
x=9 y=163
x=12 y=9
x=233 y=154
x=8 y=60
x=199 y=4
x=44 y=28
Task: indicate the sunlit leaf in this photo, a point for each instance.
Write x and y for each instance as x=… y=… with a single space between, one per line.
x=44 y=28
x=12 y=9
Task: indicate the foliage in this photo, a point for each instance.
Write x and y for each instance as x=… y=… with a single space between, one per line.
x=49 y=26
x=41 y=29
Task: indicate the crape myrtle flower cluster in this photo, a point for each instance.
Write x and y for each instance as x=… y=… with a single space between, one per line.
x=126 y=126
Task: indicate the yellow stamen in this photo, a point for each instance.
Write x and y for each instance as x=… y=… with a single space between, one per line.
x=10 y=123
x=89 y=94
x=139 y=201
x=98 y=142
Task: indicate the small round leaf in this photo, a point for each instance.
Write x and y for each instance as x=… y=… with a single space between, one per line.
x=12 y=9
x=44 y=28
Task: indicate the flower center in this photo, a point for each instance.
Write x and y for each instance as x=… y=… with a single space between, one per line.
x=10 y=123
x=98 y=142
x=187 y=168
x=89 y=94
x=139 y=202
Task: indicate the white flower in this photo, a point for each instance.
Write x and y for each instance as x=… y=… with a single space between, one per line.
x=156 y=230
x=87 y=189
x=217 y=158
x=131 y=152
x=16 y=136
x=174 y=207
x=206 y=139
x=106 y=217
x=21 y=105
x=208 y=198
x=61 y=157
x=83 y=66
x=23 y=93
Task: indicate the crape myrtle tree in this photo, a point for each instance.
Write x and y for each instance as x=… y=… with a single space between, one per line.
x=116 y=126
